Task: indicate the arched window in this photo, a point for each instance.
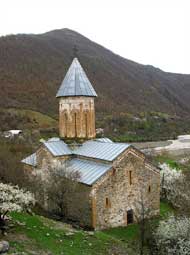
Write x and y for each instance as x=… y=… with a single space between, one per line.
x=130 y=177
x=107 y=203
x=75 y=124
x=86 y=123
x=65 y=123
x=113 y=171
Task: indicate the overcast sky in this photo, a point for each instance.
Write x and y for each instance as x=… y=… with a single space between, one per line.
x=155 y=32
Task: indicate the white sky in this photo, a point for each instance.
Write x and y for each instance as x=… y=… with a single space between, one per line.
x=155 y=32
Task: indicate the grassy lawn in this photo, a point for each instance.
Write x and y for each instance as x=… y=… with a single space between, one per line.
x=124 y=233
x=38 y=234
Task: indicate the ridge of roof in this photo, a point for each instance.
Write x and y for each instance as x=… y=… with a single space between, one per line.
x=103 y=140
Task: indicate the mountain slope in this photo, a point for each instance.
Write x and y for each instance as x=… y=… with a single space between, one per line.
x=33 y=66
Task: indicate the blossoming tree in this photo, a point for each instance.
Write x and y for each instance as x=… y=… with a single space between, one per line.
x=175 y=187
x=172 y=236
x=13 y=199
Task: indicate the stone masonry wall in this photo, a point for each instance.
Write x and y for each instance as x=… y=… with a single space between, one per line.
x=77 y=117
x=45 y=160
x=115 y=193
x=78 y=202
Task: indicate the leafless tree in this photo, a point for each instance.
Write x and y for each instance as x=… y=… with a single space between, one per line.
x=142 y=215
x=61 y=187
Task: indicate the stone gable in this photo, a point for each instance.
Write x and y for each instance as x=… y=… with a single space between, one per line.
x=121 y=189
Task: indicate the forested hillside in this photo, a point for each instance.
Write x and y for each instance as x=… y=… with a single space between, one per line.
x=33 y=66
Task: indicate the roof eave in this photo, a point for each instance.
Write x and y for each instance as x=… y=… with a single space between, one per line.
x=28 y=164
x=57 y=96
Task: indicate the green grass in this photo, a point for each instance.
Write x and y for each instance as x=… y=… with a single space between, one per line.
x=131 y=232
x=42 y=235
x=165 y=209
x=173 y=164
x=169 y=160
x=124 y=233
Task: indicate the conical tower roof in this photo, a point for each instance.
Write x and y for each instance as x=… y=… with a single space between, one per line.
x=76 y=83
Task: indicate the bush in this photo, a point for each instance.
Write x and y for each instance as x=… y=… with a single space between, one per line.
x=172 y=237
x=175 y=187
x=13 y=199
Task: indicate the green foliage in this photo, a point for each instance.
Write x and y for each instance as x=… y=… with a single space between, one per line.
x=11 y=153
x=165 y=209
x=128 y=138
x=146 y=127
x=173 y=164
x=120 y=128
x=168 y=159
x=172 y=161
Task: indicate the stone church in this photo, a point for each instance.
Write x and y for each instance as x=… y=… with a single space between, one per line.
x=116 y=180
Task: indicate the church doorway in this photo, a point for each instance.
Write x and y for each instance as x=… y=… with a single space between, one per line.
x=129 y=216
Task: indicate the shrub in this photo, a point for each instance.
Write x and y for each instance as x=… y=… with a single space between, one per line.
x=13 y=199
x=175 y=187
x=172 y=237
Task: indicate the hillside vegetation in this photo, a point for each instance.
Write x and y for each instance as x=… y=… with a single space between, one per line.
x=13 y=118
x=135 y=102
x=33 y=66
x=121 y=127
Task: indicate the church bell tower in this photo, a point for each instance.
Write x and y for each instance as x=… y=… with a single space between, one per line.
x=76 y=105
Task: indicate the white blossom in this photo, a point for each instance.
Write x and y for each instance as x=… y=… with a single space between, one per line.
x=173 y=236
x=174 y=186
x=14 y=199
